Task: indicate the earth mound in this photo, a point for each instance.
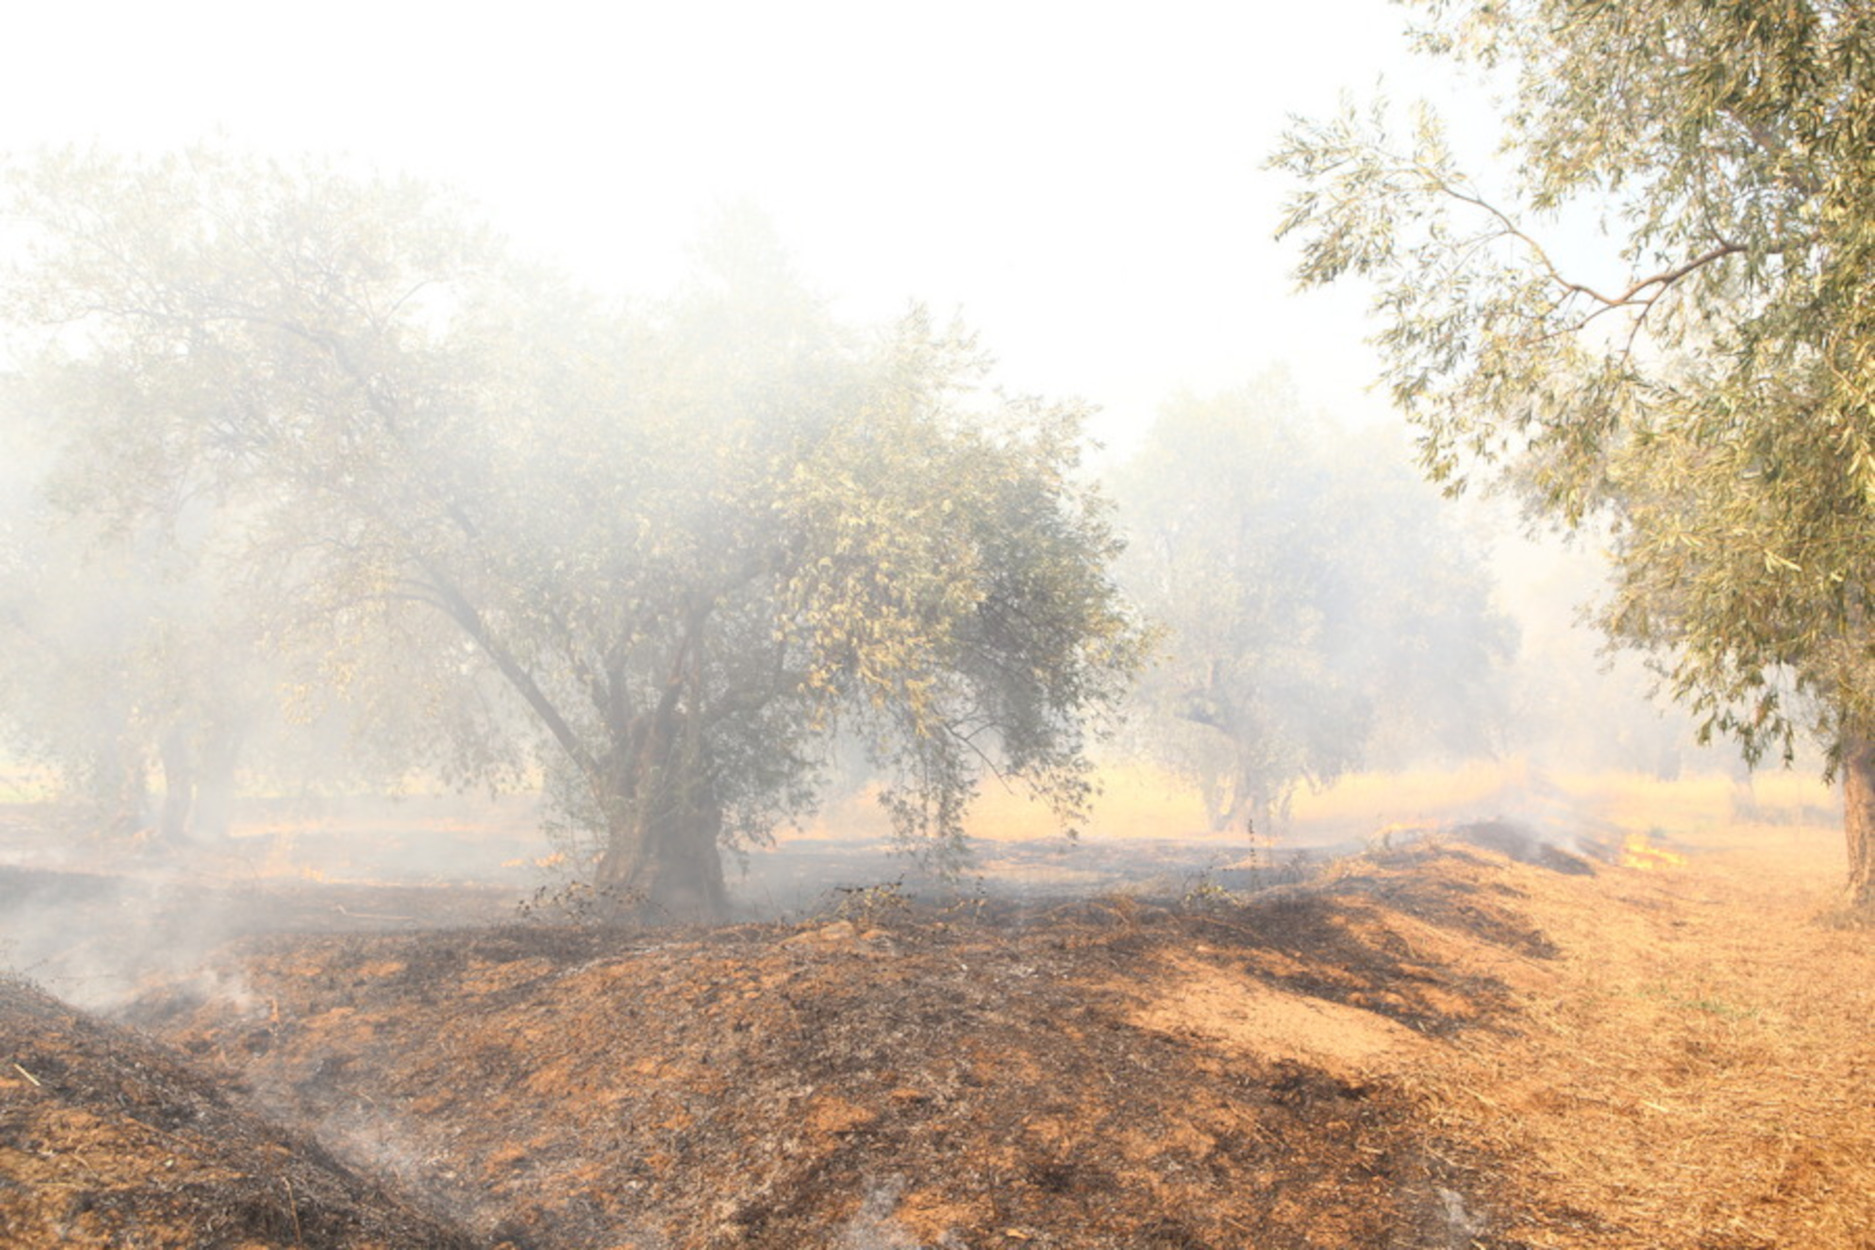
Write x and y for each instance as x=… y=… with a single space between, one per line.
x=1102 y=1074
x=108 y=1139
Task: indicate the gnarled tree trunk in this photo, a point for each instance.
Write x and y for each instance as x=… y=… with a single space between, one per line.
x=178 y=761
x=663 y=825
x=198 y=763
x=665 y=866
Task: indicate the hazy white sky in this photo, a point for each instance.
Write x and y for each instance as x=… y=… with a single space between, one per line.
x=1082 y=182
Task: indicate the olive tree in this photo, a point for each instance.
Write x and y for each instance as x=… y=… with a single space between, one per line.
x=1705 y=394
x=690 y=541
x=111 y=664
x=1317 y=606
x=134 y=655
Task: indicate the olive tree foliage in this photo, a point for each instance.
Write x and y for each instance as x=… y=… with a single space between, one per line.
x=691 y=542
x=1320 y=612
x=1705 y=392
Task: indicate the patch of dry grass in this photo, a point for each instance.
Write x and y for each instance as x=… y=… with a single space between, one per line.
x=1698 y=1077
x=1139 y=801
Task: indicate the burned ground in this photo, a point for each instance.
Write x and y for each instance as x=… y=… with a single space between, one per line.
x=1429 y=1047
x=109 y=1139
x=772 y=1088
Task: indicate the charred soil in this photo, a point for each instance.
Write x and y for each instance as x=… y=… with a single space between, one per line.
x=108 y=1139
x=1434 y=1047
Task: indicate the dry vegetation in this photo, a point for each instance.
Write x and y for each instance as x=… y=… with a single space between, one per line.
x=1696 y=1072
x=1440 y=1045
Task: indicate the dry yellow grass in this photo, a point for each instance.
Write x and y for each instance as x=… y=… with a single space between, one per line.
x=1698 y=1070
x=1138 y=801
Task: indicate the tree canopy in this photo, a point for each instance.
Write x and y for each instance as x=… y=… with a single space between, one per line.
x=689 y=541
x=1706 y=392
x=1317 y=606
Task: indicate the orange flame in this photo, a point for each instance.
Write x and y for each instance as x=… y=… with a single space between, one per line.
x=1638 y=852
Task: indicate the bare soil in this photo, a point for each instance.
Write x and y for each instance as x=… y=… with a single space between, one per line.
x=1460 y=1043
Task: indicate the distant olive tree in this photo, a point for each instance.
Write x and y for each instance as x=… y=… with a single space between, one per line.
x=141 y=672
x=1317 y=604
x=692 y=541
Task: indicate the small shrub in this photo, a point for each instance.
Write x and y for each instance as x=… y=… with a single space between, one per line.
x=870 y=906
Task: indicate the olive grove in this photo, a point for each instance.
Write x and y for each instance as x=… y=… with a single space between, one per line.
x=661 y=552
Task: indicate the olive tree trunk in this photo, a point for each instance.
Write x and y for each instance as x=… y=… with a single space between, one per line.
x=178 y=762
x=663 y=859
x=664 y=866
x=1858 y=815
x=199 y=773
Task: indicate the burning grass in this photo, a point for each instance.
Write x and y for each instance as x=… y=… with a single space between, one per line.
x=935 y=1083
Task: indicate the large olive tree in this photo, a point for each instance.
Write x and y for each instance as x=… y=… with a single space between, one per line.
x=1707 y=391
x=691 y=541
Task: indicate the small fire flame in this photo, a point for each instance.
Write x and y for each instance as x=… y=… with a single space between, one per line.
x=1638 y=852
